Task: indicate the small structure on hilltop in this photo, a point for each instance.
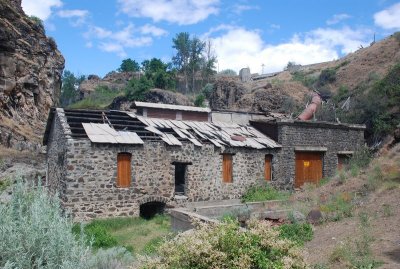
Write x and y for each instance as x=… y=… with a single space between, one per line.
x=118 y=163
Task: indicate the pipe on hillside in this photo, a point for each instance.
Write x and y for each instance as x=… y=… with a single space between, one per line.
x=308 y=113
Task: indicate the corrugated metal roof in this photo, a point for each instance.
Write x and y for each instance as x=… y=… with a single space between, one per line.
x=103 y=133
x=220 y=133
x=173 y=107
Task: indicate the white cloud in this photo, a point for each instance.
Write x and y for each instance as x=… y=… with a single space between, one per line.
x=388 y=18
x=239 y=9
x=40 y=8
x=78 y=15
x=182 y=12
x=237 y=47
x=118 y=41
x=153 y=30
x=338 y=18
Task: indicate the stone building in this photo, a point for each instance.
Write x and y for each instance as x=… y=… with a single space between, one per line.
x=310 y=150
x=117 y=163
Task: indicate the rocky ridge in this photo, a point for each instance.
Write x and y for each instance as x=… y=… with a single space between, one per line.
x=30 y=77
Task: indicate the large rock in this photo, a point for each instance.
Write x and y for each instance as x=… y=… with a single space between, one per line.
x=30 y=77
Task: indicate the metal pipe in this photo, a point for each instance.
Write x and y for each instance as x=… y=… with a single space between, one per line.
x=309 y=111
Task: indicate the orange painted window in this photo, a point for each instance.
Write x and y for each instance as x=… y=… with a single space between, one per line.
x=124 y=170
x=267 y=168
x=227 y=168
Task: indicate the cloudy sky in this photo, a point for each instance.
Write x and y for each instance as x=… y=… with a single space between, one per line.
x=95 y=36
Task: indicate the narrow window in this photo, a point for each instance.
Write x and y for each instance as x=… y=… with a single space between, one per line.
x=227 y=168
x=124 y=170
x=268 y=170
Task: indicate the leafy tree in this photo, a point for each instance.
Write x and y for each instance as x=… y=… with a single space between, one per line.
x=158 y=72
x=199 y=101
x=181 y=43
x=195 y=58
x=129 y=65
x=209 y=62
x=137 y=88
x=69 y=88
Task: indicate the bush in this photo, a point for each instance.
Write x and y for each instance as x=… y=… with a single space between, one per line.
x=327 y=76
x=199 y=101
x=37 y=21
x=112 y=258
x=136 y=89
x=306 y=80
x=296 y=232
x=101 y=98
x=226 y=245
x=264 y=193
x=35 y=235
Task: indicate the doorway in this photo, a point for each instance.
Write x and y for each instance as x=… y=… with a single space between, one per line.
x=308 y=168
x=180 y=177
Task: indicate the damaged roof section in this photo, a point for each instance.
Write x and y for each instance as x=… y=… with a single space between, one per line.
x=119 y=127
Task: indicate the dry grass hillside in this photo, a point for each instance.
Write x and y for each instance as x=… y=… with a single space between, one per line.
x=361 y=216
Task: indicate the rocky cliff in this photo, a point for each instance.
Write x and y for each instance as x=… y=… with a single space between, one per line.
x=30 y=77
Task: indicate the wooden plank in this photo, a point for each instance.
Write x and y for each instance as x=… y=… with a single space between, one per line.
x=123 y=170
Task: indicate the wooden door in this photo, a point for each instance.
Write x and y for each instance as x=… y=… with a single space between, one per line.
x=308 y=167
x=124 y=170
x=267 y=168
x=227 y=168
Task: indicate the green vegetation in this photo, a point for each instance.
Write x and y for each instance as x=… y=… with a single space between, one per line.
x=129 y=65
x=338 y=207
x=135 y=234
x=4 y=184
x=377 y=106
x=199 y=101
x=357 y=253
x=137 y=88
x=306 y=80
x=327 y=76
x=227 y=73
x=37 y=21
x=264 y=193
x=35 y=235
x=69 y=89
x=296 y=232
x=99 y=99
x=226 y=245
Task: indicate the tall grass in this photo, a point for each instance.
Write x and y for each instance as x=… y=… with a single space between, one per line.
x=101 y=98
x=264 y=193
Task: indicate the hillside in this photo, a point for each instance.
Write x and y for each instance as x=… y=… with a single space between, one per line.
x=30 y=77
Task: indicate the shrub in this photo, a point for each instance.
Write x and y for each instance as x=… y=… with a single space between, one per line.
x=112 y=258
x=327 y=76
x=97 y=235
x=264 y=193
x=207 y=90
x=199 y=101
x=52 y=43
x=35 y=235
x=306 y=80
x=296 y=232
x=226 y=245
x=37 y=21
x=99 y=99
x=136 y=89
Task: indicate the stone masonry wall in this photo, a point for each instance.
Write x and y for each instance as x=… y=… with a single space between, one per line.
x=91 y=171
x=334 y=139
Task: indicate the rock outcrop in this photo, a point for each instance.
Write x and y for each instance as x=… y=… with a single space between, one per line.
x=152 y=96
x=113 y=80
x=30 y=77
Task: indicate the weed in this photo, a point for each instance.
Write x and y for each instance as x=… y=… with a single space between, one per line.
x=296 y=232
x=357 y=253
x=4 y=184
x=327 y=76
x=338 y=207
x=264 y=193
x=96 y=234
x=344 y=63
x=99 y=99
x=152 y=246
x=306 y=80
x=387 y=210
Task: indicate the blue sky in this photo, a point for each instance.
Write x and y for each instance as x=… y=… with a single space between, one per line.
x=95 y=36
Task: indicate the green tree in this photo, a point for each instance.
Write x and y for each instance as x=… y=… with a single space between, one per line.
x=209 y=61
x=69 y=88
x=158 y=72
x=137 y=88
x=181 y=43
x=129 y=65
x=195 y=58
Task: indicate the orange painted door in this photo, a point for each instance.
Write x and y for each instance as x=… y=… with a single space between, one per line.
x=308 y=168
x=268 y=171
x=124 y=170
x=227 y=168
